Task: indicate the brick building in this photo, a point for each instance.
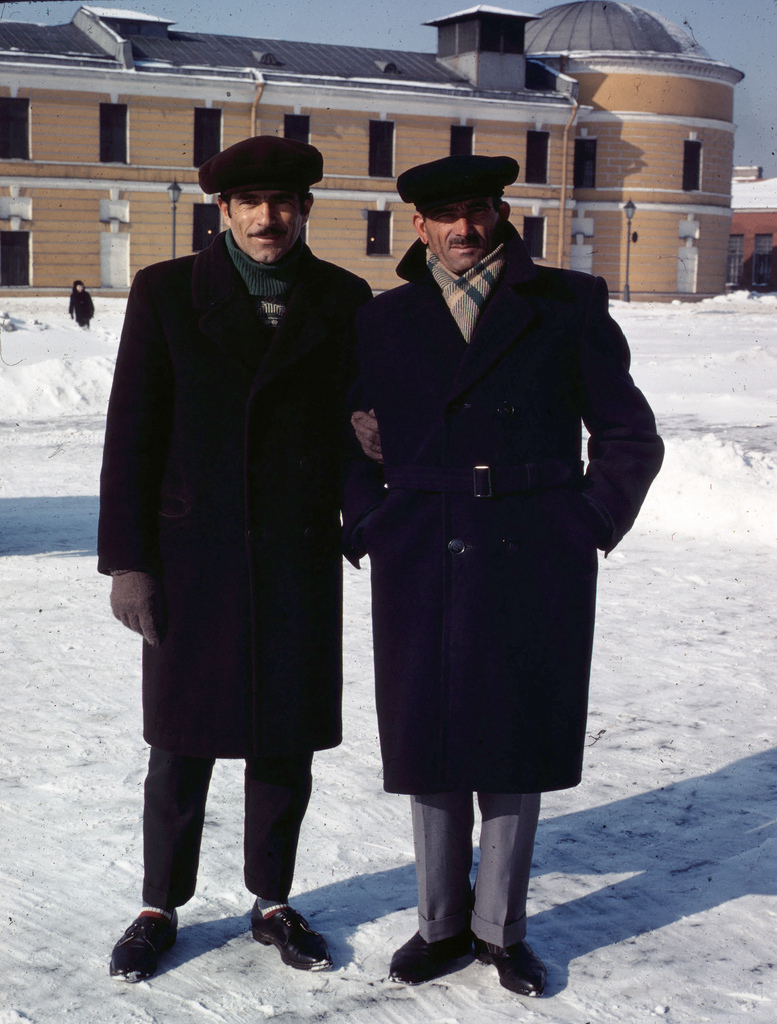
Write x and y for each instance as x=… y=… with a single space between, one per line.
x=100 y=117
x=752 y=261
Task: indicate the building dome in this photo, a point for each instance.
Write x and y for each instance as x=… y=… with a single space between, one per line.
x=605 y=26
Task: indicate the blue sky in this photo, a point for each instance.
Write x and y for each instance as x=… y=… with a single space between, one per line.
x=742 y=33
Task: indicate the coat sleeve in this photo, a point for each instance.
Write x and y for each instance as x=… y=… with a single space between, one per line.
x=624 y=450
x=136 y=440
x=364 y=487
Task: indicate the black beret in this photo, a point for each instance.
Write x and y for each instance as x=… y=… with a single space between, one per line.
x=264 y=161
x=455 y=178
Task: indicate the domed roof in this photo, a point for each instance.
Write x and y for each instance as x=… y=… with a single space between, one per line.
x=606 y=25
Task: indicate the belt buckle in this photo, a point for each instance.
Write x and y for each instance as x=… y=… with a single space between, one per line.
x=482 y=485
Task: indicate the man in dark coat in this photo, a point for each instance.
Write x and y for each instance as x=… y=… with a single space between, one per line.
x=482 y=530
x=219 y=522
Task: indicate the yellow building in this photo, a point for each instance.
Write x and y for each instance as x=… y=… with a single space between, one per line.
x=100 y=117
x=654 y=127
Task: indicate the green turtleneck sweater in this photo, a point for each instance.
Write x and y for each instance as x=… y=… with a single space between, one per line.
x=268 y=283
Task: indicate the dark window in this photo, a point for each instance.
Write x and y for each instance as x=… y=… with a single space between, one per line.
x=382 y=149
x=536 y=157
x=296 y=127
x=14 y=257
x=378 y=233
x=461 y=140
x=691 y=165
x=501 y=35
x=14 y=129
x=534 y=236
x=113 y=133
x=207 y=134
x=585 y=163
x=736 y=252
x=762 y=259
x=206 y=225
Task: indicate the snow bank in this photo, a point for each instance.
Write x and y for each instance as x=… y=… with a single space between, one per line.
x=50 y=367
x=713 y=489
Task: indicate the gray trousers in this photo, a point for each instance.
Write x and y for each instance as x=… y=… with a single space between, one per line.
x=442 y=834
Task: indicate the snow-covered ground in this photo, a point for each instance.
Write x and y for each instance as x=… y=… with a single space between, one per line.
x=654 y=882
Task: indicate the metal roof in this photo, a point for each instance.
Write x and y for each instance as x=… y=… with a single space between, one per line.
x=60 y=43
x=481 y=9
x=119 y=15
x=604 y=26
x=190 y=49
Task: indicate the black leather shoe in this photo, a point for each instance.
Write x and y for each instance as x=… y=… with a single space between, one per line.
x=418 y=960
x=519 y=967
x=295 y=940
x=135 y=955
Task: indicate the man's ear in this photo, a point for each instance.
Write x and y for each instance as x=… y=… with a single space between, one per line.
x=418 y=224
x=306 y=207
x=224 y=207
x=504 y=211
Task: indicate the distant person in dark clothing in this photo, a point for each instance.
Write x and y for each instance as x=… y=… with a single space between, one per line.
x=81 y=305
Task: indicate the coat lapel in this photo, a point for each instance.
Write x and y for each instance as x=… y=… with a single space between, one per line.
x=302 y=328
x=227 y=314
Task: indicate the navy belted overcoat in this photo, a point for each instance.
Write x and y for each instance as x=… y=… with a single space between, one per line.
x=483 y=545
x=222 y=475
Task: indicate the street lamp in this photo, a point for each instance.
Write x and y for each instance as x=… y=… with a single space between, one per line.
x=175 y=195
x=629 y=210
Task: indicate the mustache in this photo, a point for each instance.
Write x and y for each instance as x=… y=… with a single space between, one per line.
x=472 y=239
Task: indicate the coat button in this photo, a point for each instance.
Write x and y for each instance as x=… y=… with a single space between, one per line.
x=511 y=545
x=505 y=409
x=456 y=546
x=307 y=463
x=459 y=405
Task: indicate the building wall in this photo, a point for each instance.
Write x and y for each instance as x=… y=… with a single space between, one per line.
x=657 y=93
x=750 y=223
x=640 y=121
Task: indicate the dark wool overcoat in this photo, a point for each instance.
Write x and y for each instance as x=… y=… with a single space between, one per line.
x=222 y=475
x=81 y=307
x=483 y=607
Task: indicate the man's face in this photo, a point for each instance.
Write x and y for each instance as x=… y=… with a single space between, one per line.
x=461 y=234
x=265 y=225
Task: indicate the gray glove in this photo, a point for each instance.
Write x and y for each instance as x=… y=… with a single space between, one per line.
x=137 y=601
x=365 y=426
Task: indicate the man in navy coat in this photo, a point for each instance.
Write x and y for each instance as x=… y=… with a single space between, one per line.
x=482 y=530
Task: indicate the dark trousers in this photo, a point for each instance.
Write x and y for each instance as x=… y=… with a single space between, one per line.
x=277 y=791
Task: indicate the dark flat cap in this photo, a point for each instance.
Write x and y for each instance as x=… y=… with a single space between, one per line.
x=264 y=161
x=455 y=178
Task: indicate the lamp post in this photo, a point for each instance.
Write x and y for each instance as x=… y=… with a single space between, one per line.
x=629 y=210
x=175 y=195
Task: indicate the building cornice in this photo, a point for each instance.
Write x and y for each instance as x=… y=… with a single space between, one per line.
x=584 y=207
x=629 y=63
x=240 y=85
x=622 y=116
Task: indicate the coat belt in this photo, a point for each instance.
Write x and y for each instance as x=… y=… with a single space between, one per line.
x=484 y=481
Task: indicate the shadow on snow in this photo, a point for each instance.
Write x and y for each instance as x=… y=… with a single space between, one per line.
x=688 y=847
x=35 y=526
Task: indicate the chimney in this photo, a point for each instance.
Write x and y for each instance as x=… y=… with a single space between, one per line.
x=485 y=45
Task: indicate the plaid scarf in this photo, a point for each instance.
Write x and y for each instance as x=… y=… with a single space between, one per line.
x=467 y=295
